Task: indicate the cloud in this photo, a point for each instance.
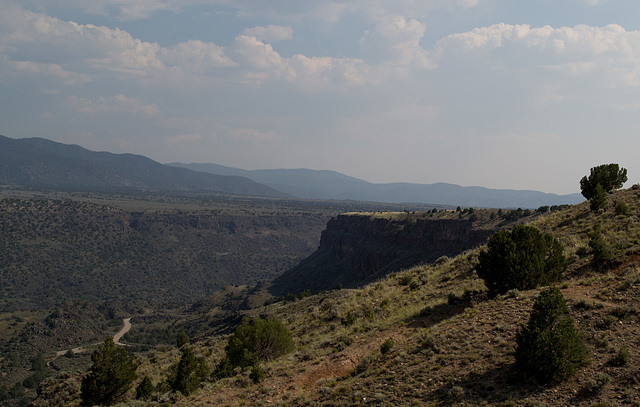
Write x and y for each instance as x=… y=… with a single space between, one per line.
x=396 y=40
x=270 y=33
x=253 y=136
x=114 y=104
x=582 y=56
x=196 y=56
x=182 y=139
x=49 y=71
x=34 y=36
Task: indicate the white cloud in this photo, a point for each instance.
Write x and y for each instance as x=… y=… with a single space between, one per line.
x=610 y=54
x=270 y=33
x=54 y=71
x=197 y=56
x=397 y=40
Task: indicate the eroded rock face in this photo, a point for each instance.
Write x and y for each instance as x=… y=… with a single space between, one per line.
x=356 y=249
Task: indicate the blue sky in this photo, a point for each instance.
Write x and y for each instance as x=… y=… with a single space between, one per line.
x=497 y=93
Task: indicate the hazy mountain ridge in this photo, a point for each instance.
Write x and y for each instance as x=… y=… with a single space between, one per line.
x=324 y=184
x=43 y=163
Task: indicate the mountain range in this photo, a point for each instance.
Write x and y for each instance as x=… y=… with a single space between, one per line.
x=38 y=162
x=323 y=184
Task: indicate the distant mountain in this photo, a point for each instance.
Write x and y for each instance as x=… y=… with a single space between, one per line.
x=312 y=184
x=44 y=163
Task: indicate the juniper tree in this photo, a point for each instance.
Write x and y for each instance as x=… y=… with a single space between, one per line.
x=523 y=258
x=549 y=348
x=110 y=377
x=608 y=176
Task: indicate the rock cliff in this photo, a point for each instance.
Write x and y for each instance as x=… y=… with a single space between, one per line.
x=358 y=248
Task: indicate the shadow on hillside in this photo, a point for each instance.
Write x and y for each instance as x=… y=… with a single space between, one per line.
x=435 y=314
x=497 y=385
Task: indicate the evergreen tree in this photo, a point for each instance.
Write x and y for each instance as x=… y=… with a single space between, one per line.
x=523 y=258
x=144 y=389
x=110 y=377
x=254 y=341
x=549 y=348
x=598 y=200
x=186 y=375
x=182 y=339
x=258 y=340
x=608 y=176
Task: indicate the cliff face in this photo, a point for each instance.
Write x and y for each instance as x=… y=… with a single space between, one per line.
x=356 y=249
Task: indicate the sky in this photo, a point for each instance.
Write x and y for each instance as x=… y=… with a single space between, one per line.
x=526 y=94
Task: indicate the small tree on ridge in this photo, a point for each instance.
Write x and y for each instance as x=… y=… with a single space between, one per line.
x=608 y=176
x=524 y=258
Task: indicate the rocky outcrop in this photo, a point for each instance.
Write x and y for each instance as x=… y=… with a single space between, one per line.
x=359 y=248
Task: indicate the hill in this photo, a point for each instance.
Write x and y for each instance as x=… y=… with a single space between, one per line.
x=38 y=162
x=313 y=184
x=446 y=343
x=154 y=250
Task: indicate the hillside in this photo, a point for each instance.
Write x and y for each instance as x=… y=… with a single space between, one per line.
x=313 y=184
x=154 y=251
x=38 y=162
x=447 y=343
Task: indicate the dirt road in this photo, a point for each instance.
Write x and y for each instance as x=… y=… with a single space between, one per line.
x=116 y=339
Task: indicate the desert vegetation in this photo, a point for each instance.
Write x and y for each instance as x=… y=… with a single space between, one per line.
x=431 y=334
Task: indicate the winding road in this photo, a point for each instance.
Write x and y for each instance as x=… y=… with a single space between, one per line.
x=116 y=339
x=124 y=330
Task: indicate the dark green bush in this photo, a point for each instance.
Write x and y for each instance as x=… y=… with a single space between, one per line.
x=186 y=375
x=599 y=199
x=257 y=374
x=110 y=376
x=523 y=258
x=549 y=348
x=622 y=358
x=255 y=341
x=182 y=339
x=386 y=346
x=600 y=249
x=144 y=389
x=608 y=176
x=349 y=319
x=621 y=208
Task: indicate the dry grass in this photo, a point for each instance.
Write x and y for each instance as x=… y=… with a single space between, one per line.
x=451 y=345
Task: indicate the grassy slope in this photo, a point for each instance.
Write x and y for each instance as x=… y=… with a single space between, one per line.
x=448 y=348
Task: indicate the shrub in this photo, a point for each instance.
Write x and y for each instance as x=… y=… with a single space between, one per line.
x=349 y=319
x=621 y=208
x=523 y=258
x=144 y=389
x=549 y=348
x=257 y=374
x=110 y=377
x=601 y=252
x=386 y=346
x=596 y=384
x=622 y=358
x=182 y=339
x=185 y=376
x=255 y=341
